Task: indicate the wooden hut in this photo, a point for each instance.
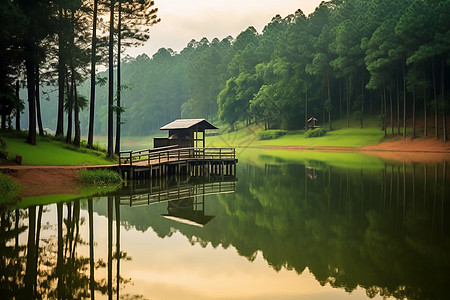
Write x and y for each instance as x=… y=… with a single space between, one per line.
x=184 y=133
x=311 y=123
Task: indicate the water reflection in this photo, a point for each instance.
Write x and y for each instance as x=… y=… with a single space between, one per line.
x=382 y=229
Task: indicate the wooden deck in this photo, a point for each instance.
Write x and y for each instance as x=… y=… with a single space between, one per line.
x=165 y=160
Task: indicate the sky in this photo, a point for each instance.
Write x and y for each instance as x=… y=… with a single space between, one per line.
x=184 y=20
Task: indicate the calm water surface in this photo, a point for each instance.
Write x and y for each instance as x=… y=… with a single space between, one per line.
x=280 y=230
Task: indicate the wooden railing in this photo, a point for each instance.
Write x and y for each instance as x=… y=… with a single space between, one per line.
x=173 y=154
x=178 y=193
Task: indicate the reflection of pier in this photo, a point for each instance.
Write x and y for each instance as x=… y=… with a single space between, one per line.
x=147 y=192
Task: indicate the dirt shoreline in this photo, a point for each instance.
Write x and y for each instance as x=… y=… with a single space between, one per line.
x=46 y=180
x=423 y=150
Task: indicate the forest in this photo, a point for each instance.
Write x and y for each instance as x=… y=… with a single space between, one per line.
x=348 y=60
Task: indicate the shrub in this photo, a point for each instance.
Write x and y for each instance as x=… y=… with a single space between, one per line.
x=316 y=132
x=271 y=134
x=8 y=189
x=101 y=176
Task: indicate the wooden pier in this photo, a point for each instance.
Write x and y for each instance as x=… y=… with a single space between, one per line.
x=170 y=160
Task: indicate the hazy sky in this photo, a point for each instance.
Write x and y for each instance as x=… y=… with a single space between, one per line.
x=184 y=20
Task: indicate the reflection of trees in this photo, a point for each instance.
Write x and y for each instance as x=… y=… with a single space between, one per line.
x=353 y=227
x=48 y=267
x=384 y=230
x=12 y=259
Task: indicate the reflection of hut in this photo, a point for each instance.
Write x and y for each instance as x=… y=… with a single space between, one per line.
x=311 y=123
x=188 y=211
x=311 y=173
x=184 y=133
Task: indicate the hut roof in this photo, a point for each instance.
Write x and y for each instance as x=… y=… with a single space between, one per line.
x=188 y=123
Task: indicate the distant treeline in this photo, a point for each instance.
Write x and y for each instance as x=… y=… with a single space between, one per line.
x=350 y=60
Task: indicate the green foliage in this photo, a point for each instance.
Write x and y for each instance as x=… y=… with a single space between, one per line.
x=53 y=152
x=271 y=134
x=318 y=132
x=9 y=190
x=99 y=177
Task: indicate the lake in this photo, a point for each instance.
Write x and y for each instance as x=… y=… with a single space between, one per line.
x=329 y=226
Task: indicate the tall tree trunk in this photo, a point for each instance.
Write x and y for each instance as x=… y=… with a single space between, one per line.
x=398 y=103
x=77 y=138
x=391 y=112
x=384 y=111
x=93 y=63
x=69 y=109
x=18 y=107
x=404 y=98
x=329 y=97
x=348 y=102
x=111 y=80
x=436 y=116
x=362 y=98
x=38 y=103
x=61 y=78
x=425 y=129
x=340 y=99
x=118 y=112
x=414 y=112
x=306 y=108
x=29 y=51
x=444 y=121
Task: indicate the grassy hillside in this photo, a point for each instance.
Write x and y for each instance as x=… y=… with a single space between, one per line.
x=248 y=137
x=50 y=152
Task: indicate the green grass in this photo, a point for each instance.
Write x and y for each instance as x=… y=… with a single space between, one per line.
x=248 y=137
x=99 y=177
x=9 y=190
x=52 y=152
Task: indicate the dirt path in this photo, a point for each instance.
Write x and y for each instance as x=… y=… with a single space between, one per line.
x=46 y=180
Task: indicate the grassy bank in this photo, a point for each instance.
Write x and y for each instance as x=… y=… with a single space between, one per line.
x=50 y=152
x=99 y=177
x=248 y=137
x=9 y=190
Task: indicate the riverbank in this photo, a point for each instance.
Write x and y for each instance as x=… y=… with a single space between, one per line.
x=419 y=150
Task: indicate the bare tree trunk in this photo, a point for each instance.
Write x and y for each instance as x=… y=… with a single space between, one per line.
x=404 y=99
x=18 y=107
x=38 y=103
x=444 y=121
x=398 y=104
x=425 y=129
x=77 y=138
x=436 y=116
x=111 y=80
x=93 y=62
x=414 y=112
x=61 y=80
x=306 y=108
x=69 y=109
x=29 y=51
x=391 y=113
x=118 y=112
